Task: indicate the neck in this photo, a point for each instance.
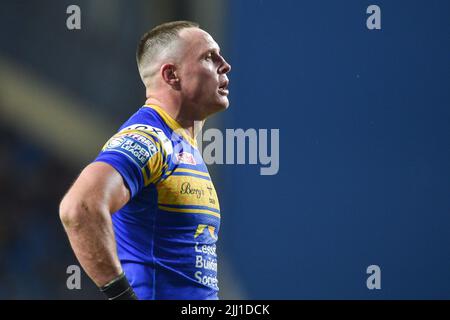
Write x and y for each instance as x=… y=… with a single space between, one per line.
x=175 y=111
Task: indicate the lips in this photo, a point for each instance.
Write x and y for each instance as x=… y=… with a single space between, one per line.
x=223 y=88
x=223 y=92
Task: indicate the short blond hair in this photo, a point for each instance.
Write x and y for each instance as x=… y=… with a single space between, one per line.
x=157 y=40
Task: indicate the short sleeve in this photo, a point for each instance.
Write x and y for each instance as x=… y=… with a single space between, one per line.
x=137 y=156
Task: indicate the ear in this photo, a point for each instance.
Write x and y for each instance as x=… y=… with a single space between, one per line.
x=169 y=74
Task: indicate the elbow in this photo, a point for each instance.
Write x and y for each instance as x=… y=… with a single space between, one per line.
x=68 y=212
x=72 y=212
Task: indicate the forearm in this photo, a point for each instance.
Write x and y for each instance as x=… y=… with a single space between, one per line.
x=91 y=236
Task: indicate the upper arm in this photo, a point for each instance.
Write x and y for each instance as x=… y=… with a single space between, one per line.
x=129 y=161
x=99 y=185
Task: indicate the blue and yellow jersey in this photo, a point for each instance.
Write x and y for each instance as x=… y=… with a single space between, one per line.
x=166 y=234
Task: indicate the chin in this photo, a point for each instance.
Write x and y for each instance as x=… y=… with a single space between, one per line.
x=218 y=107
x=224 y=103
x=222 y=106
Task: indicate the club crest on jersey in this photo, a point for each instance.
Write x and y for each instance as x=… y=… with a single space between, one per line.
x=186 y=158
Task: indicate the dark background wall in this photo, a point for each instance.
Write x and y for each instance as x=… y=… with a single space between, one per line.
x=364 y=119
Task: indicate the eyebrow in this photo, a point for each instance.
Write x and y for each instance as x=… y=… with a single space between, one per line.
x=213 y=49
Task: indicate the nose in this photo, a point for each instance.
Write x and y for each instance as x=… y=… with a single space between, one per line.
x=225 y=67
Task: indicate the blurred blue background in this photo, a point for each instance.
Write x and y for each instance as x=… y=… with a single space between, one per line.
x=364 y=120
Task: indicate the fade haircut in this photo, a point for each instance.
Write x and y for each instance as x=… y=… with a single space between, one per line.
x=155 y=42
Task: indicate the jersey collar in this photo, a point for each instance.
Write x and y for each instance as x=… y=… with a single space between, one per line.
x=172 y=123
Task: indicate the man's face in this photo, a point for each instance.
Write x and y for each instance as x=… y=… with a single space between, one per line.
x=202 y=73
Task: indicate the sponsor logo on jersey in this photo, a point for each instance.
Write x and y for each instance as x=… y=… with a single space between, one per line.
x=186 y=188
x=165 y=141
x=137 y=147
x=115 y=142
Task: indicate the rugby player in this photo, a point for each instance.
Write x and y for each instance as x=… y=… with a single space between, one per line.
x=143 y=218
